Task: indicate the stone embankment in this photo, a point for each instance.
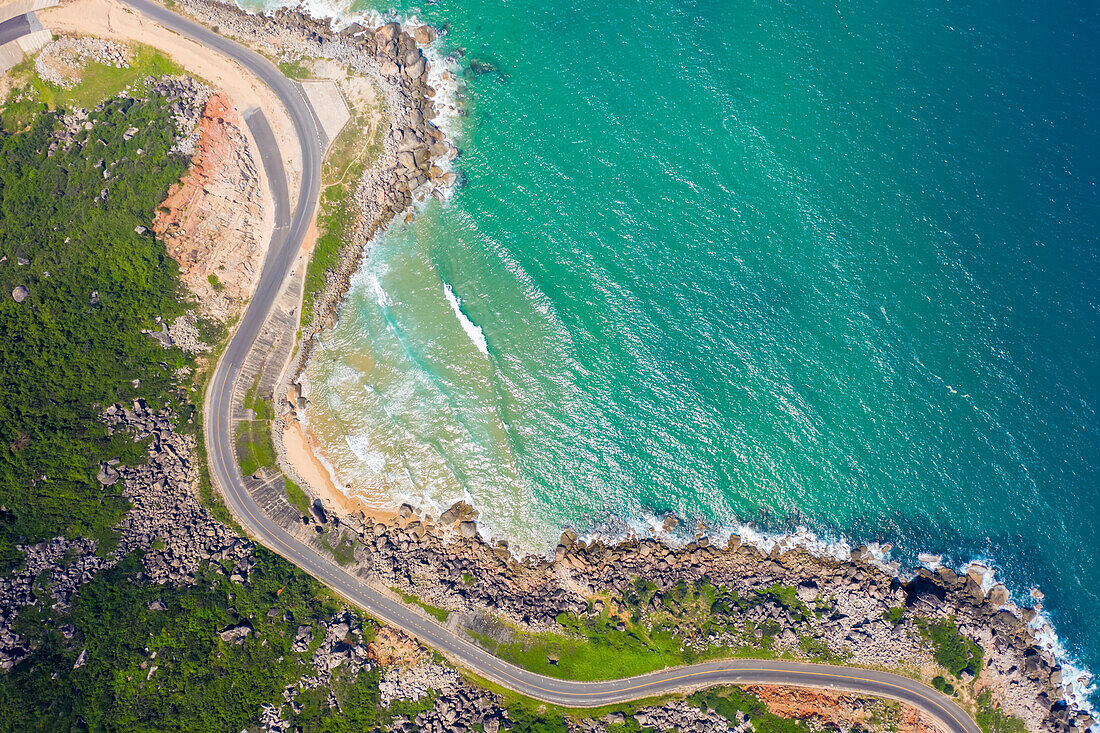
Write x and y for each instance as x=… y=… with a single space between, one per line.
x=416 y=158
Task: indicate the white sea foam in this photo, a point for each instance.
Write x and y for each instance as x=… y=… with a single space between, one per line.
x=379 y=294
x=373 y=459
x=472 y=330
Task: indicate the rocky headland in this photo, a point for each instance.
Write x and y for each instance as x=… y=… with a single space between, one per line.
x=852 y=610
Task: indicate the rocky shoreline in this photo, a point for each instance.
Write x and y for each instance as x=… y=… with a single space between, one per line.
x=854 y=610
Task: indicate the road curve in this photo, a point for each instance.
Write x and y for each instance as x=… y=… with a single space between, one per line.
x=379 y=603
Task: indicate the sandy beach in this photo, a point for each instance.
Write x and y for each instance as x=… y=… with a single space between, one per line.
x=298 y=444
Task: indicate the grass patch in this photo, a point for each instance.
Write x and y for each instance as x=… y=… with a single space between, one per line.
x=254 y=447
x=439 y=614
x=334 y=222
x=595 y=648
x=646 y=629
x=296 y=496
x=342 y=549
x=99 y=81
x=355 y=148
x=262 y=407
x=819 y=651
x=995 y=720
x=294 y=70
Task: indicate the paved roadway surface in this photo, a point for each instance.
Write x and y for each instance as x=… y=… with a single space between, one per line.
x=14 y=28
x=381 y=604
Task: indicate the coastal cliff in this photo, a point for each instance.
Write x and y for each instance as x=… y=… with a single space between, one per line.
x=414 y=163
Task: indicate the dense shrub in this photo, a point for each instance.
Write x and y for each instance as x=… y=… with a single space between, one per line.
x=953 y=651
x=95 y=279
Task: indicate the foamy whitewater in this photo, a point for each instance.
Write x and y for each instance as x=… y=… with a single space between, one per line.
x=476 y=335
x=794 y=271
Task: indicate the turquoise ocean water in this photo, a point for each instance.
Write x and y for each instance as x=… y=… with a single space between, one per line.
x=818 y=263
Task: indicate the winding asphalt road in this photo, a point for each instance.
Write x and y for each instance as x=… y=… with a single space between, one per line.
x=285 y=243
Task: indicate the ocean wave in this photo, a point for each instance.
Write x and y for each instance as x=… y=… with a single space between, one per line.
x=472 y=330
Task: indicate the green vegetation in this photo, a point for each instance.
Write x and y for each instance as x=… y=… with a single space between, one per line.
x=439 y=614
x=943 y=685
x=341 y=547
x=354 y=149
x=511 y=699
x=528 y=720
x=97 y=82
x=894 y=615
x=953 y=651
x=728 y=701
x=817 y=650
x=357 y=146
x=335 y=221
x=995 y=720
x=294 y=70
x=296 y=496
x=68 y=355
x=65 y=357
x=215 y=282
x=147 y=670
x=596 y=649
x=254 y=447
x=646 y=630
x=262 y=407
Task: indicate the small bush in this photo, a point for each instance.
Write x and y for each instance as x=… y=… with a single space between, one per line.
x=894 y=615
x=953 y=651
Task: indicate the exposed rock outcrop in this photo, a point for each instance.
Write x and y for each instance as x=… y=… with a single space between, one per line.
x=415 y=160
x=211 y=220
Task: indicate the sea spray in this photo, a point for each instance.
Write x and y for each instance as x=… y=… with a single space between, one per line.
x=1078 y=682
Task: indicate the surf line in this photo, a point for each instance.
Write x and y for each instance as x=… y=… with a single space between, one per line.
x=472 y=330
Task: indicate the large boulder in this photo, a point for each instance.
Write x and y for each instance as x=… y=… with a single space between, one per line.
x=387 y=33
